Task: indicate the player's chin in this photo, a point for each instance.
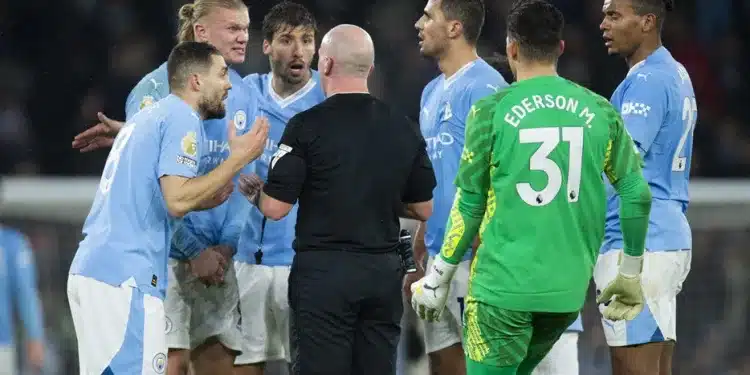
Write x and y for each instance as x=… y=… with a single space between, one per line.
x=236 y=57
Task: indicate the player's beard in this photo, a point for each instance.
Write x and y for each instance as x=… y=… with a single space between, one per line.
x=213 y=108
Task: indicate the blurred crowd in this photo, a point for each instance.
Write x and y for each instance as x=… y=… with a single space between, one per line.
x=62 y=61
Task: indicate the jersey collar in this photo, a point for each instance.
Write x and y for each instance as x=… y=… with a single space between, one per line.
x=285 y=102
x=447 y=82
x=658 y=55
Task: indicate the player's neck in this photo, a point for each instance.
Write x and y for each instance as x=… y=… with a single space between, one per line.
x=644 y=50
x=456 y=58
x=191 y=100
x=283 y=88
x=346 y=85
x=528 y=71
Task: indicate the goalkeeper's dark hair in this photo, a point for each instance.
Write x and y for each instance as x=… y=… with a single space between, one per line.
x=287 y=14
x=537 y=27
x=500 y=63
x=188 y=58
x=469 y=12
x=658 y=8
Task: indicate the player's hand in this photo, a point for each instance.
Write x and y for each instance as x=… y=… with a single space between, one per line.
x=412 y=278
x=250 y=145
x=430 y=293
x=209 y=266
x=219 y=197
x=101 y=135
x=35 y=354
x=624 y=293
x=250 y=186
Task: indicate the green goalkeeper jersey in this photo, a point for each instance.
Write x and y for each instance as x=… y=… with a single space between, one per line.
x=536 y=155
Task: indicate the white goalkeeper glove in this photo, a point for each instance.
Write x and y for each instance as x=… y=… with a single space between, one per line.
x=430 y=293
x=624 y=293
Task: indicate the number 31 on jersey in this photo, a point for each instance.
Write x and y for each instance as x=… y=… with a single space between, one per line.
x=549 y=139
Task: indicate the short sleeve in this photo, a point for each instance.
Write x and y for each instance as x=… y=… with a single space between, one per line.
x=644 y=107
x=148 y=91
x=622 y=156
x=288 y=168
x=180 y=146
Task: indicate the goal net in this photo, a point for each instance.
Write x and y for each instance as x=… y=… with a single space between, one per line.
x=713 y=328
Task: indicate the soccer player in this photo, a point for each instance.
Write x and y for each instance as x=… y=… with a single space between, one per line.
x=117 y=280
x=657 y=102
x=265 y=250
x=448 y=33
x=18 y=288
x=530 y=183
x=224 y=24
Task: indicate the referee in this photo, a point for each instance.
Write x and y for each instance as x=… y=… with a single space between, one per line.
x=356 y=166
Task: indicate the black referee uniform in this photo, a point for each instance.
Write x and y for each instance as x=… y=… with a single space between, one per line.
x=352 y=163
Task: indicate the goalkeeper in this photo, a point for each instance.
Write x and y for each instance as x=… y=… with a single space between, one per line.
x=530 y=183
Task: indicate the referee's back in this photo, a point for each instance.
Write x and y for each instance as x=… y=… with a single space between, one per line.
x=363 y=162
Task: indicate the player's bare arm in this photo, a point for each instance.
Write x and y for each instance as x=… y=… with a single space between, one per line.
x=184 y=195
x=99 y=136
x=217 y=199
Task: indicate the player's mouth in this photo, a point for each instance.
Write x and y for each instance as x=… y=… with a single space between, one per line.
x=607 y=41
x=421 y=39
x=239 y=50
x=297 y=68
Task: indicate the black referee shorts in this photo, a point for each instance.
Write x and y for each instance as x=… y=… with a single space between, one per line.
x=346 y=310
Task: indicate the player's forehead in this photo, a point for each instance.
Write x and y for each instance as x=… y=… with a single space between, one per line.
x=227 y=17
x=433 y=9
x=617 y=6
x=218 y=64
x=286 y=30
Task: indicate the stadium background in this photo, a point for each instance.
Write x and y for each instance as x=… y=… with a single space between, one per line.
x=62 y=61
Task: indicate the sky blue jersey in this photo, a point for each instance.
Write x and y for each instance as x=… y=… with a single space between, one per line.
x=444 y=106
x=657 y=102
x=128 y=230
x=18 y=291
x=242 y=107
x=277 y=235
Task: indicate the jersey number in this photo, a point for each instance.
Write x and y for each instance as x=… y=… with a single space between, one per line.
x=113 y=160
x=550 y=138
x=689 y=117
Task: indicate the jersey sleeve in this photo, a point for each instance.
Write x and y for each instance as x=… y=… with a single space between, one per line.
x=473 y=182
x=623 y=168
x=23 y=277
x=195 y=233
x=237 y=214
x=145 y=93
x=180 y=146
x=644 y=107
x=288 y=169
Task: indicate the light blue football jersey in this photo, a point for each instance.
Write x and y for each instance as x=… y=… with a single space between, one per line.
x=18 y=289
x=128 y=230
x=444 y=106
x=657 y=102
x=242 y=107
x=277 y=235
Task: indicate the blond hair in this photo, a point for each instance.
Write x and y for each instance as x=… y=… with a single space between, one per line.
x=190 y=13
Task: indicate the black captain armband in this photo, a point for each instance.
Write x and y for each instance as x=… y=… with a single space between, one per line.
x=405 y=252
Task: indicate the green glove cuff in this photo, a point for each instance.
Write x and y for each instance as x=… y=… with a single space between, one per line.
x=630 y=266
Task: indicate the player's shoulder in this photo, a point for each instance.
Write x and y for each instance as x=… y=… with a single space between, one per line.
x=255 y=80
x=660 y=71
x=155 y=79
x=11 y=236
x=430 y=86
x=589 y=96
x=483 y=73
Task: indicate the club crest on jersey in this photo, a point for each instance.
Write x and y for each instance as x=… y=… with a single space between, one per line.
x=240 y=120
x=146 y=101
x=283 y=150
x=160 y=363
x=189 y=144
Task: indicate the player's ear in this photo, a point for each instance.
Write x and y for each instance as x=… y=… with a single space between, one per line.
x=562 y=47
x=455 y=29
x=266 y=47
x=194 y=82
x=201 y=34
x=648 y=22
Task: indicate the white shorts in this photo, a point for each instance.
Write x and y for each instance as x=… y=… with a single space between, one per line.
x=662 y=278
x=562 y=359
x=449 y=329
x=264 y=310
x=120 y=329
x=196 y=312
x=8 y=360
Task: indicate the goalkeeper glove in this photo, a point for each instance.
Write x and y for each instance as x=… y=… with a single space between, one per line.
x=430 y=293
x=624 y=293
